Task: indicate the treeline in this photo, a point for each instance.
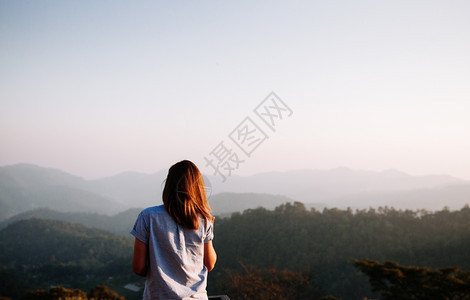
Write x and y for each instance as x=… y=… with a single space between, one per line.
x=38 y=253
x=36 y=242
x=322 y=245
x=286 y=253
x=393 y=281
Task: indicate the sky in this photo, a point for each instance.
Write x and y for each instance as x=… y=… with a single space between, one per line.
x=96 y=88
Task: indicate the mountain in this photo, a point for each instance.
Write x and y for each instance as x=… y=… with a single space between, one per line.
x=27 y=175
x=310 y=186
x=222 y=205
x=120 y=224
x=227 y=203
x=37 y=254
x=24 y=187
x=38 y=242
x=131 y=189
x=307 y=186
x=453 y=197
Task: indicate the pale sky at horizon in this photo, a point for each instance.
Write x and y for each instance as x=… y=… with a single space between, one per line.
x=96 y=88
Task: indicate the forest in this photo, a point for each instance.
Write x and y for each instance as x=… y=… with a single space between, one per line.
x=286 y=253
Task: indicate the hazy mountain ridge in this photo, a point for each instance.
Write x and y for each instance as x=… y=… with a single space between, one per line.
x=453 y=197
x=132 y=189
x=24 y=187
x=344 y=187
x=222 y=205
x=227 y=203
x=322 y=186
x=120 y=223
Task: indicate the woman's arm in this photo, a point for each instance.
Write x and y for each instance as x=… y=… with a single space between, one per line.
x=210 y=257
x=139 y=261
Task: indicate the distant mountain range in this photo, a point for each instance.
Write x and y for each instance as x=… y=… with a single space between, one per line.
x=328 y=186
x=25 y=187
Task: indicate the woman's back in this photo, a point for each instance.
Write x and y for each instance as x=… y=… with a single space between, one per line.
x=176 y=255
x=173 y=242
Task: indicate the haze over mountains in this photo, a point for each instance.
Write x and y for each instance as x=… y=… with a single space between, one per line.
x=345 y=187
x=25 y=187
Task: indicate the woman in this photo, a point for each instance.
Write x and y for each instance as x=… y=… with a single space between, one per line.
x=173 y=242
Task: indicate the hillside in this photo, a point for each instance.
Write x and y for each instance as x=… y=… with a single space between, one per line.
x=223 y=205
x=36 y=242
x=120 y=223
x=38 y=254
x=317 y=246
x=322 y=245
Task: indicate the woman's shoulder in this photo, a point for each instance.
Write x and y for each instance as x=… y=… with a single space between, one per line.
x=153 y=210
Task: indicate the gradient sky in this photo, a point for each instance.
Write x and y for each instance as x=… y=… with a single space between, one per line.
x=96 y=88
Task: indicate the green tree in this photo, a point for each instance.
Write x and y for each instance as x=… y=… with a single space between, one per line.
x=405 y=282
x=58 y=293
x=102 y=292
x=265 y=284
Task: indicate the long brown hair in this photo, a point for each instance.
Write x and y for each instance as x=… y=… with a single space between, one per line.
x=184 y=195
